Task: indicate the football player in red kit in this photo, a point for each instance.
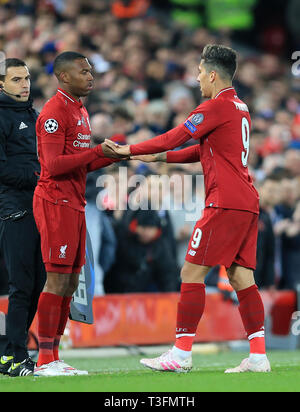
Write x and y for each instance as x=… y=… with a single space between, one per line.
x=227 y=232
x=63 y=137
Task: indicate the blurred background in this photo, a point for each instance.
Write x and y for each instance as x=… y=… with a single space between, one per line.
x=145 y=55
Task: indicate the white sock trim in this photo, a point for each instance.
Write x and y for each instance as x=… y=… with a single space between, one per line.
x=180 y=335
x=260 y=334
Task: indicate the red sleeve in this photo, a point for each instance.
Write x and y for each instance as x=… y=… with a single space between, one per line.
x=100 y=163
x=188 y=155
x=204 y=119
x=167 y=141
x=58 y=164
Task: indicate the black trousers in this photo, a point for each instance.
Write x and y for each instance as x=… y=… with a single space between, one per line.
x=20 y=243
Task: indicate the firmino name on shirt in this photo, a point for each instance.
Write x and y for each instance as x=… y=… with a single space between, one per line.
x=79 y=143
x=241 y=106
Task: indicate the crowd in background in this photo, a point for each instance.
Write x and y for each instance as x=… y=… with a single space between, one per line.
x=145 y=57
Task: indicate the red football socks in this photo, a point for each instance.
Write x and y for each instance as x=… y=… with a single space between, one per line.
x=252 y=313
x=64 y=315
x=189 y=312
x=49 y=311
x=55 y=350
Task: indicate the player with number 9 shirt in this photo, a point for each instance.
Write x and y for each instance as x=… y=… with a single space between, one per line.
x=227 y=232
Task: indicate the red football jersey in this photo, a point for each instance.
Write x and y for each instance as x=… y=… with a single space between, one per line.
x=63 y=140
x=223 y=127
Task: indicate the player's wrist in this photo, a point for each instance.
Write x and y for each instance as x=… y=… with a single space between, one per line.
x=160 y=157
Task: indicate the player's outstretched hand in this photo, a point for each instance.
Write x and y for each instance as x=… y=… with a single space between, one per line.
x=120 y=151
x=109 y=152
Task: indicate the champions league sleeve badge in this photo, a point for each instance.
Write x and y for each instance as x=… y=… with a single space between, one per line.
x=197 y=119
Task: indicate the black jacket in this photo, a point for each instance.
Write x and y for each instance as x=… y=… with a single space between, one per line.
x=18 y=155
x=265 y=257
x=139 y=267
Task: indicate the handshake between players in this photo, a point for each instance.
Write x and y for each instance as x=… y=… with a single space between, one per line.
x=114 y=150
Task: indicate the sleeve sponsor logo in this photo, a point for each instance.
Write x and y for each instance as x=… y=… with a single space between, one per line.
x=190 y=126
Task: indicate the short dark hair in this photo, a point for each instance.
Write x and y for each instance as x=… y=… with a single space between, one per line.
x=63 y=59
x=220 y=58
x=12 y=62
x=122 y=112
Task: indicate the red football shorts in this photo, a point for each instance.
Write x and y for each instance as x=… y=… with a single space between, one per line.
x=63 y=236
x=224 y=237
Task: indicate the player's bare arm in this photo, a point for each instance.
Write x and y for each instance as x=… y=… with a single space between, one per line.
x=158 y=157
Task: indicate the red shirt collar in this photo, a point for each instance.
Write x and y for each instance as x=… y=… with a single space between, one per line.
x=226 y=90
x=63 y=93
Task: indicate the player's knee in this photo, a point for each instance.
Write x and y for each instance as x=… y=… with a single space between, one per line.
x=188 y=274
x=234 y=282
x=73 y=285
x=234 y=279
x=240 y=278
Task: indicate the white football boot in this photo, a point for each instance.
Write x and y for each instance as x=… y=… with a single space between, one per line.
x=51 y=369
x=65 y=367
x=168 y=362
x=248 y=365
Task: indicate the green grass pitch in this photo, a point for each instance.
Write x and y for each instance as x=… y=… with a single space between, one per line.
x=125 y=374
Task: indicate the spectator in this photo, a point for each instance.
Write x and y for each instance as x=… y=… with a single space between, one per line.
x=287 y=230
x=188 y=12
x=144 y=260
x=181 y=206
x=234 y=14
x=102 y=127
x=129 y=9
x=265 y=269
x=122 y=124
x=292 y=161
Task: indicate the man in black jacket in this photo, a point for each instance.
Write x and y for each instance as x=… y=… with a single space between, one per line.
x=144 y=259
x=19 y=238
